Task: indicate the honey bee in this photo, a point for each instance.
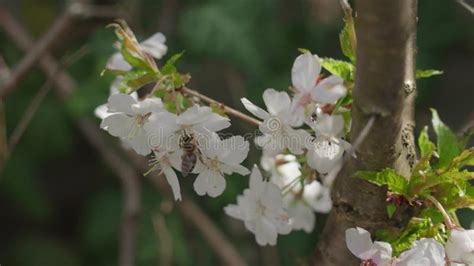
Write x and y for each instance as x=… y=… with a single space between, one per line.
x=190 y=156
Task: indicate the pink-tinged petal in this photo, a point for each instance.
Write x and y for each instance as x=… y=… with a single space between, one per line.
x=265 y=232
x=118 y=125
x=117 y=62
x=122 y=103
x=155 y=45
x=173 y=182
x=329 y=90
x=253 y=109
x=305 y=72
x=297 y=115
x=277 y=102
x=359 y=243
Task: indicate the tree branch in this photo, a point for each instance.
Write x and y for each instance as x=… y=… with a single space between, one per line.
x=385 y=88
x=225 y=108
x=64 y=87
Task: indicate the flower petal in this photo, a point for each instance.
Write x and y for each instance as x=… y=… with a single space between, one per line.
x=209 y=182
x=305 y=72
x=117 y=62
x=173 y=182
x=121 y=102
x=155 y=45
x=358 y=242
x=118 y=125
x=329 y=90
x=265 y=233
x=277 y=102
x=256 y=181
x=255 y=110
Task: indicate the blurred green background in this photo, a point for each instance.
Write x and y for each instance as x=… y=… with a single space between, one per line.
x=60 y=203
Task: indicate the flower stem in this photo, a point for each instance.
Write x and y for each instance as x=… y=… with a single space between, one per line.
x=439 y=206
x=225 y=108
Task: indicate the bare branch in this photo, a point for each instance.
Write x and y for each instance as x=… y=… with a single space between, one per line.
x=59 y=27
x=225 y=108
x=39 y=97
x=466 y=6
x=222 y=246
x=127 y=175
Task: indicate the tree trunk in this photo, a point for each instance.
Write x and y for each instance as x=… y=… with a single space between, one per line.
x=384 y=90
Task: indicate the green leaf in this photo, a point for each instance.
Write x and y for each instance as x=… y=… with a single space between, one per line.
x=304 y=50
x=395 y=183
x=346 y=39
x=340 y=68
x=136 y=79
x=425 y=144
x=426 y=73
x=416 y=229
x=391 y=208
x=169 y=67
x=448 y=145
x=466 y=158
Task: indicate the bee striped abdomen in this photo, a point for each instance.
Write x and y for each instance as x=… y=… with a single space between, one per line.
x=189 y=157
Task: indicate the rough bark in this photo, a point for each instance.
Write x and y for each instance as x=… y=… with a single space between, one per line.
x=384 y=89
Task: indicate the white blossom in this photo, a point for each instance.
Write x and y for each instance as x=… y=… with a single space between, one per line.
x=196 y=120
x=128 y=119
x=423 y=252
x=309 y=89
x=300 y=201
x=102 y=110
x=219 y=157
x=360 y=244
x=276 y=127
x=154 y=45
x=164 y=160
x=261 y=208
x=460 y=246
x=325 y=152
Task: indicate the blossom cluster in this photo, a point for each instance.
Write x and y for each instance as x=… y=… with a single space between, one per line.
x=302 y=143
x=146 y=126
x=302 y=136
x=458 y=250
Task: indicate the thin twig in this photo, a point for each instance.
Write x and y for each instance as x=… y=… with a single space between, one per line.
x=466 y=6
x=225 y=108
x=60 y=26
x=191 y=212
x=130 y=186
x=222 y=246
x=39 y=97
x=128 y=177
x=4 y=74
